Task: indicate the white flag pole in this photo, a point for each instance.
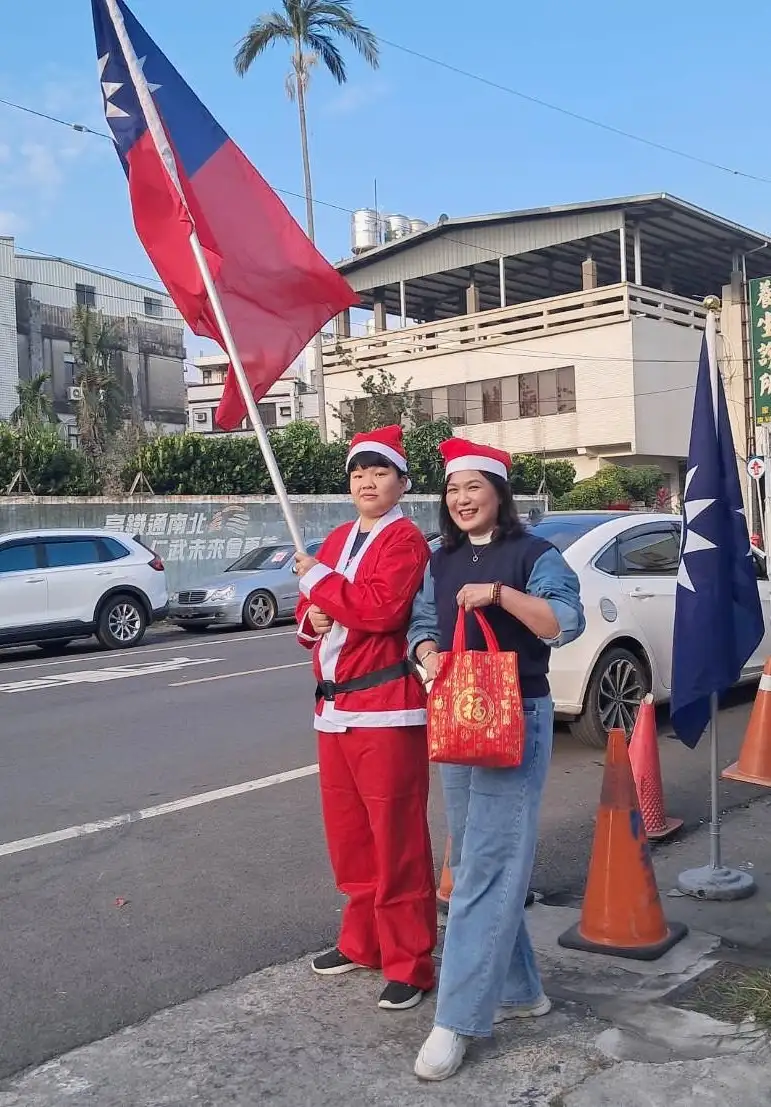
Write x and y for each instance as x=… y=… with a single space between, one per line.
x=714 y=881
x=166 y=154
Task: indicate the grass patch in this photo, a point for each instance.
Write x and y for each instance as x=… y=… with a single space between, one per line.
x=731 y=993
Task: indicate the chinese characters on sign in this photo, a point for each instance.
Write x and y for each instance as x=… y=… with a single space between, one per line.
x=183 y=536
x=760 y=344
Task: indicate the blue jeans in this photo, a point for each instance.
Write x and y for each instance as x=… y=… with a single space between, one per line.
x=492 y=814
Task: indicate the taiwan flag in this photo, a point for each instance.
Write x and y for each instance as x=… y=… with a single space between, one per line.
x=185 y=174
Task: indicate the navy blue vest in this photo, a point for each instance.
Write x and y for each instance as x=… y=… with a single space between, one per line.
x=510 y=561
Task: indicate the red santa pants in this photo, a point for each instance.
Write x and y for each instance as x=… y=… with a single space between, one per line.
x=374 y=795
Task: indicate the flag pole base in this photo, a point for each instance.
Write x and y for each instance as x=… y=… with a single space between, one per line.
x=716 y=884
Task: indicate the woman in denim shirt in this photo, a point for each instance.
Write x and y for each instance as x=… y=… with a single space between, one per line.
x=532 y=601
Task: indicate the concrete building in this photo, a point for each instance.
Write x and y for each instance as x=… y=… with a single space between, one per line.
x=290 y=398
x=571 y=332
x=38 y=295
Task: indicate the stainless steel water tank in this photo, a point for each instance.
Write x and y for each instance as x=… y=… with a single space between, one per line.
x=417 y=225
x=397 y=226
x=364 y=230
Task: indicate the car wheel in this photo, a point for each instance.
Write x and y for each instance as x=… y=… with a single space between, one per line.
x=122 y=623
x=616 y=687
x=260 y=611
x=54 y=647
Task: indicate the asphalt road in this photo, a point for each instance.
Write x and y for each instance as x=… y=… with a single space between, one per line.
x=107 y=922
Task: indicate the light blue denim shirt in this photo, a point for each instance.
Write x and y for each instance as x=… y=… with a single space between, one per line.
x=551 y=579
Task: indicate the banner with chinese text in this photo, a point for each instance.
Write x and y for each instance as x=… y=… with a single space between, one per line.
x=760 y=347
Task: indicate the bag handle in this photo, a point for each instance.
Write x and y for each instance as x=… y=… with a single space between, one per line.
x=459 y=637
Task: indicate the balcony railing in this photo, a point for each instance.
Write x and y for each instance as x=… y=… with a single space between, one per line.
x=597 y=307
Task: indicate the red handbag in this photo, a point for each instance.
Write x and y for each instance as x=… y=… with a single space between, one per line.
x=475 y=714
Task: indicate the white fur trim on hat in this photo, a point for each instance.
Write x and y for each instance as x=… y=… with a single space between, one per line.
x=476 y=461
x=375 y=447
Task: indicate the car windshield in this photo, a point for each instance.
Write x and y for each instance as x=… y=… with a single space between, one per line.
x=563 y=531
x=267 y=557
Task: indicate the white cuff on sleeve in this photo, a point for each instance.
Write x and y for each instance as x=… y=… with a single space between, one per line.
x=305 y=631
x=313 y=577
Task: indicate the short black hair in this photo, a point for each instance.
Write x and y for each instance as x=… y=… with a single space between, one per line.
x=370 y=459
x=508 y=525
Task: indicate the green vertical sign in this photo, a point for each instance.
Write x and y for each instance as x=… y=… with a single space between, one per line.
x=760 y=345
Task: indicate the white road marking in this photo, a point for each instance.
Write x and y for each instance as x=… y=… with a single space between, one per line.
x=246 y=672
x=99 y=676
x=23 y=844
x=211 y=642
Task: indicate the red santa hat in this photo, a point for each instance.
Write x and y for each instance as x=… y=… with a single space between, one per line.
x=387 y=441
x=459 y=455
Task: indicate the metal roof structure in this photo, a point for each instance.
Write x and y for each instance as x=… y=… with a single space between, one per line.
x=684 y=249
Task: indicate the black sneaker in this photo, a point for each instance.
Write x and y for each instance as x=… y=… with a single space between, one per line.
x=400 y=997
x=333 y=963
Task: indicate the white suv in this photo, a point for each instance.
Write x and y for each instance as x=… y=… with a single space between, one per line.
x=56 y=585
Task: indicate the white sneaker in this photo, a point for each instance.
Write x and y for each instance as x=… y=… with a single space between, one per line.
x=441 y=1055
x=542 y=1006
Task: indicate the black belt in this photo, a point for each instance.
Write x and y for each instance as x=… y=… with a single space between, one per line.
x=328 y=689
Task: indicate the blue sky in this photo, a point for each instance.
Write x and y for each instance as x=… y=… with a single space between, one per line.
x=676 y=72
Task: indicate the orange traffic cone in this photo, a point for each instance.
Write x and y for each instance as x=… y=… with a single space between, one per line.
x=754 y=764
x=445 y=882
x=646 y=769
x=622 y=913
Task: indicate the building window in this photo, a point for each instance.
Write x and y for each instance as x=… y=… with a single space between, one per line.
x=551 y=392
x=267 y=414
x=566 y=389
x=456 y=404
x=85 y=295
x=528 y=395
x=153 y=307
x=492 y=401
x=206 y=376
x=510 y=398
x=424 y=409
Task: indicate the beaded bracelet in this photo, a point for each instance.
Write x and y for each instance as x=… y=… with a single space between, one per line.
x=496 y=593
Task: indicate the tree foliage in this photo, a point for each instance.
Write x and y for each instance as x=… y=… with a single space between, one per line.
x=51 y=466
x=35 y=407
x=612 y=486
x=384 y=403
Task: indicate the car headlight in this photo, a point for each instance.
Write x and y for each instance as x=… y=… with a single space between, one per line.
x=174 y=597
x=217 y=595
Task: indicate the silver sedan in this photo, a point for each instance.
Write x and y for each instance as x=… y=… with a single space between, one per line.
x=254 y=592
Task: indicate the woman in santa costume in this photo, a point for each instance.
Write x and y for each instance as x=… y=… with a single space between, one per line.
x=356 y=599
x=531 y=599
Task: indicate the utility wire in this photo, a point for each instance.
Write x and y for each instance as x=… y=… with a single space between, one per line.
x=619 y=131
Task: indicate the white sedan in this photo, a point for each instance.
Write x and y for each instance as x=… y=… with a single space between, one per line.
x=627 y=564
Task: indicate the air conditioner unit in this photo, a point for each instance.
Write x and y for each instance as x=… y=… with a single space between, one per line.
x=75 y=393
x=201 y=417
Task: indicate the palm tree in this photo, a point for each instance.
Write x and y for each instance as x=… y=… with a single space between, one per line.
x=310 y=28
x=100 y=411
x=35 y=408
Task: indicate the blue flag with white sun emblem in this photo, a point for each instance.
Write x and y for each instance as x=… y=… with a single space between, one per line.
x=718 y=614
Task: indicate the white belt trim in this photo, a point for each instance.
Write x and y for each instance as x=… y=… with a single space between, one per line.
x=336 y=721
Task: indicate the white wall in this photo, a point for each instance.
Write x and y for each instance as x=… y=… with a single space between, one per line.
x=9 y=368
x=666 y=360
x=602 y=359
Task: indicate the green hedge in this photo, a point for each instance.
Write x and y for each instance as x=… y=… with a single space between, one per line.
x=200 y=465
x=613 y=485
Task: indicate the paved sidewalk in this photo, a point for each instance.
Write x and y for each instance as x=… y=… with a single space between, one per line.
x=286 y=1038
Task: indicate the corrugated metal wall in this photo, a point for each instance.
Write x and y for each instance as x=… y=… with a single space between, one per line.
x=54 y=283
x=9 y=369
x=458 y=247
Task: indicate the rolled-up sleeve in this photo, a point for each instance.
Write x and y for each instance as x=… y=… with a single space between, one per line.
x=552 y=579
x=423 y=625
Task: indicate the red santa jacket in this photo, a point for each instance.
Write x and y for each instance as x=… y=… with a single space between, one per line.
x=369 y=597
